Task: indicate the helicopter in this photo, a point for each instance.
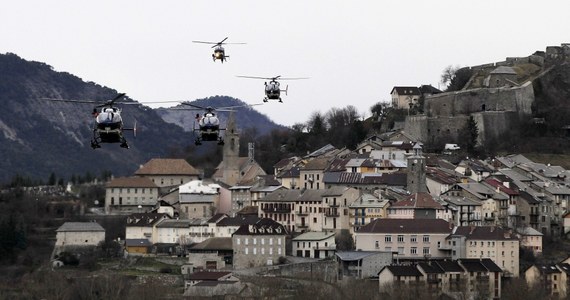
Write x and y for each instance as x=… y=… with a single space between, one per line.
x=219 y=52
x=208 y=123
x=272 y=88
x=108 y=127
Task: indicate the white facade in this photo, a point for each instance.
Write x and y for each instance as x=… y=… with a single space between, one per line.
x=79 y=234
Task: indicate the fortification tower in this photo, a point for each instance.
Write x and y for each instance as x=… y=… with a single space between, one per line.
x=416 y=171
x=231 y=153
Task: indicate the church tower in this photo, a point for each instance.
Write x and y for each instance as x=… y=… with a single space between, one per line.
x=231 y=153
x=417 y=171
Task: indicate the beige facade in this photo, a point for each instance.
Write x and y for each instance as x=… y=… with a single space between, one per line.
x=127 y=195
x=259 y=244
x=79 y=234
x=336 y=203
x=403 y=97
x=410 y=238
x=165 y=172
x=314 y=245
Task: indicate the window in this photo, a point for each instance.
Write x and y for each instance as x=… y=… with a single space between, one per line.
x=400 y=238
x=388 y=239
x=376 y=245
x=414 y=238
x=426 y=238
x=238 y=241
x=414 y=251
x=246 y=250
x=254 y=251
x=426 y=251
x=278 y=251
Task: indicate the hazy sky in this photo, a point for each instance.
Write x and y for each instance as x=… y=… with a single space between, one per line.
x=353 y=51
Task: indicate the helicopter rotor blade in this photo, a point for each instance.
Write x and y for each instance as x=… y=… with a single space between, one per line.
x=193 y=105
x=293 y=78
x=202 y=42
x=223 y=41
x=254 y=77
x=69 y=100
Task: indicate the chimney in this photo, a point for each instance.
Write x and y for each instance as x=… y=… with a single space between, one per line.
x=471 y=229
x=492 y=228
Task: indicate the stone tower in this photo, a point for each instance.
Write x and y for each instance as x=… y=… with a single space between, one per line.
x=231 y=153
x=417 y=171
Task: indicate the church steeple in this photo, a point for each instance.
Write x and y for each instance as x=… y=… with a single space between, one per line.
x=416 y=182
x=231 y=152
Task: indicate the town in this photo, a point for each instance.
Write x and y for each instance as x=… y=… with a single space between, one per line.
x=407 y=212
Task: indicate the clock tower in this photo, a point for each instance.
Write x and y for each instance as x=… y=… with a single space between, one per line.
x=416 y=171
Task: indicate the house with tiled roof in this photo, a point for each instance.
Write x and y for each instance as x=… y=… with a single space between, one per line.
x=214 y=253
x=259 y=244
x=141 y=225
x=280 y=207
x=439 y=180
x=553 y=279
x=365 y=182
x=412 y=239
x=365 y=209
x=125 y=195
x=335 y=202
x=362 y=264
x=483 y=274
x=312 y=173
x=530 y=239
x=405 y=97
x=465 y=211
x=75 y=235
x=172 y=231
x=418 y=206
x=317 y=244
x=498 y=244
x=308 y=211
x=168 y=172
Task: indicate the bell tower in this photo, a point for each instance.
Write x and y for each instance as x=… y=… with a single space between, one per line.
x=416 y=182
x=231 y=152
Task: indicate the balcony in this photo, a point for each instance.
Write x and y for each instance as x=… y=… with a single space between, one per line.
x=279 y=210
x=334 y=204
x=304 y=213
x=302 y=225
x=332 y=214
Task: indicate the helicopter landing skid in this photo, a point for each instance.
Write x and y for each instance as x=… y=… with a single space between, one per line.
x=95 y=145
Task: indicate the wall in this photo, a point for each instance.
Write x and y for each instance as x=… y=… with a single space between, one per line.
x=198 y=260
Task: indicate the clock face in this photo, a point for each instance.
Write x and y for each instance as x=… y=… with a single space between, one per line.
x=415 y=161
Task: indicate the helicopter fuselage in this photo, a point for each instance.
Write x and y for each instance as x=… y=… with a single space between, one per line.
x=219 y=53
x=209 y=129
x=272 y=91
x=108 y=128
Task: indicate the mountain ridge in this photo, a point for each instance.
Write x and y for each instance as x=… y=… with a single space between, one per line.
x=39 y=137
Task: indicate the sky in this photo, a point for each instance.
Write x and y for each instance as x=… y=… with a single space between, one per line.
x=354 y=52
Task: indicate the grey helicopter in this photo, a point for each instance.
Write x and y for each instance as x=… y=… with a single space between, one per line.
x=208 y=129
x=108 y=126
x=273 y=88
x=219 y=51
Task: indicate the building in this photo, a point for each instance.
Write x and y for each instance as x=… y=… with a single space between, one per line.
x=336 y=201
x=418 y=206
x=405 y=97
x=314 y=245
x=125 y=195
x=141 y=225
x=477 y=242
x=362 y=264
x=366 y=209
x=411 y=239
x=214 y=253
x=74 y=235
x=553 y=279
x=198 y=200
x=280 y=207
x=259 y=244
x=138 y=246
x=530 y=239
x=312 y=174
x=168 y=172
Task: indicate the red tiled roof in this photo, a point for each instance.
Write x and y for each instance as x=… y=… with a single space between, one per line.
x=131 y=182
x=495 y=183
x=407 y=226
x=167 y=166
x=418 y=200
